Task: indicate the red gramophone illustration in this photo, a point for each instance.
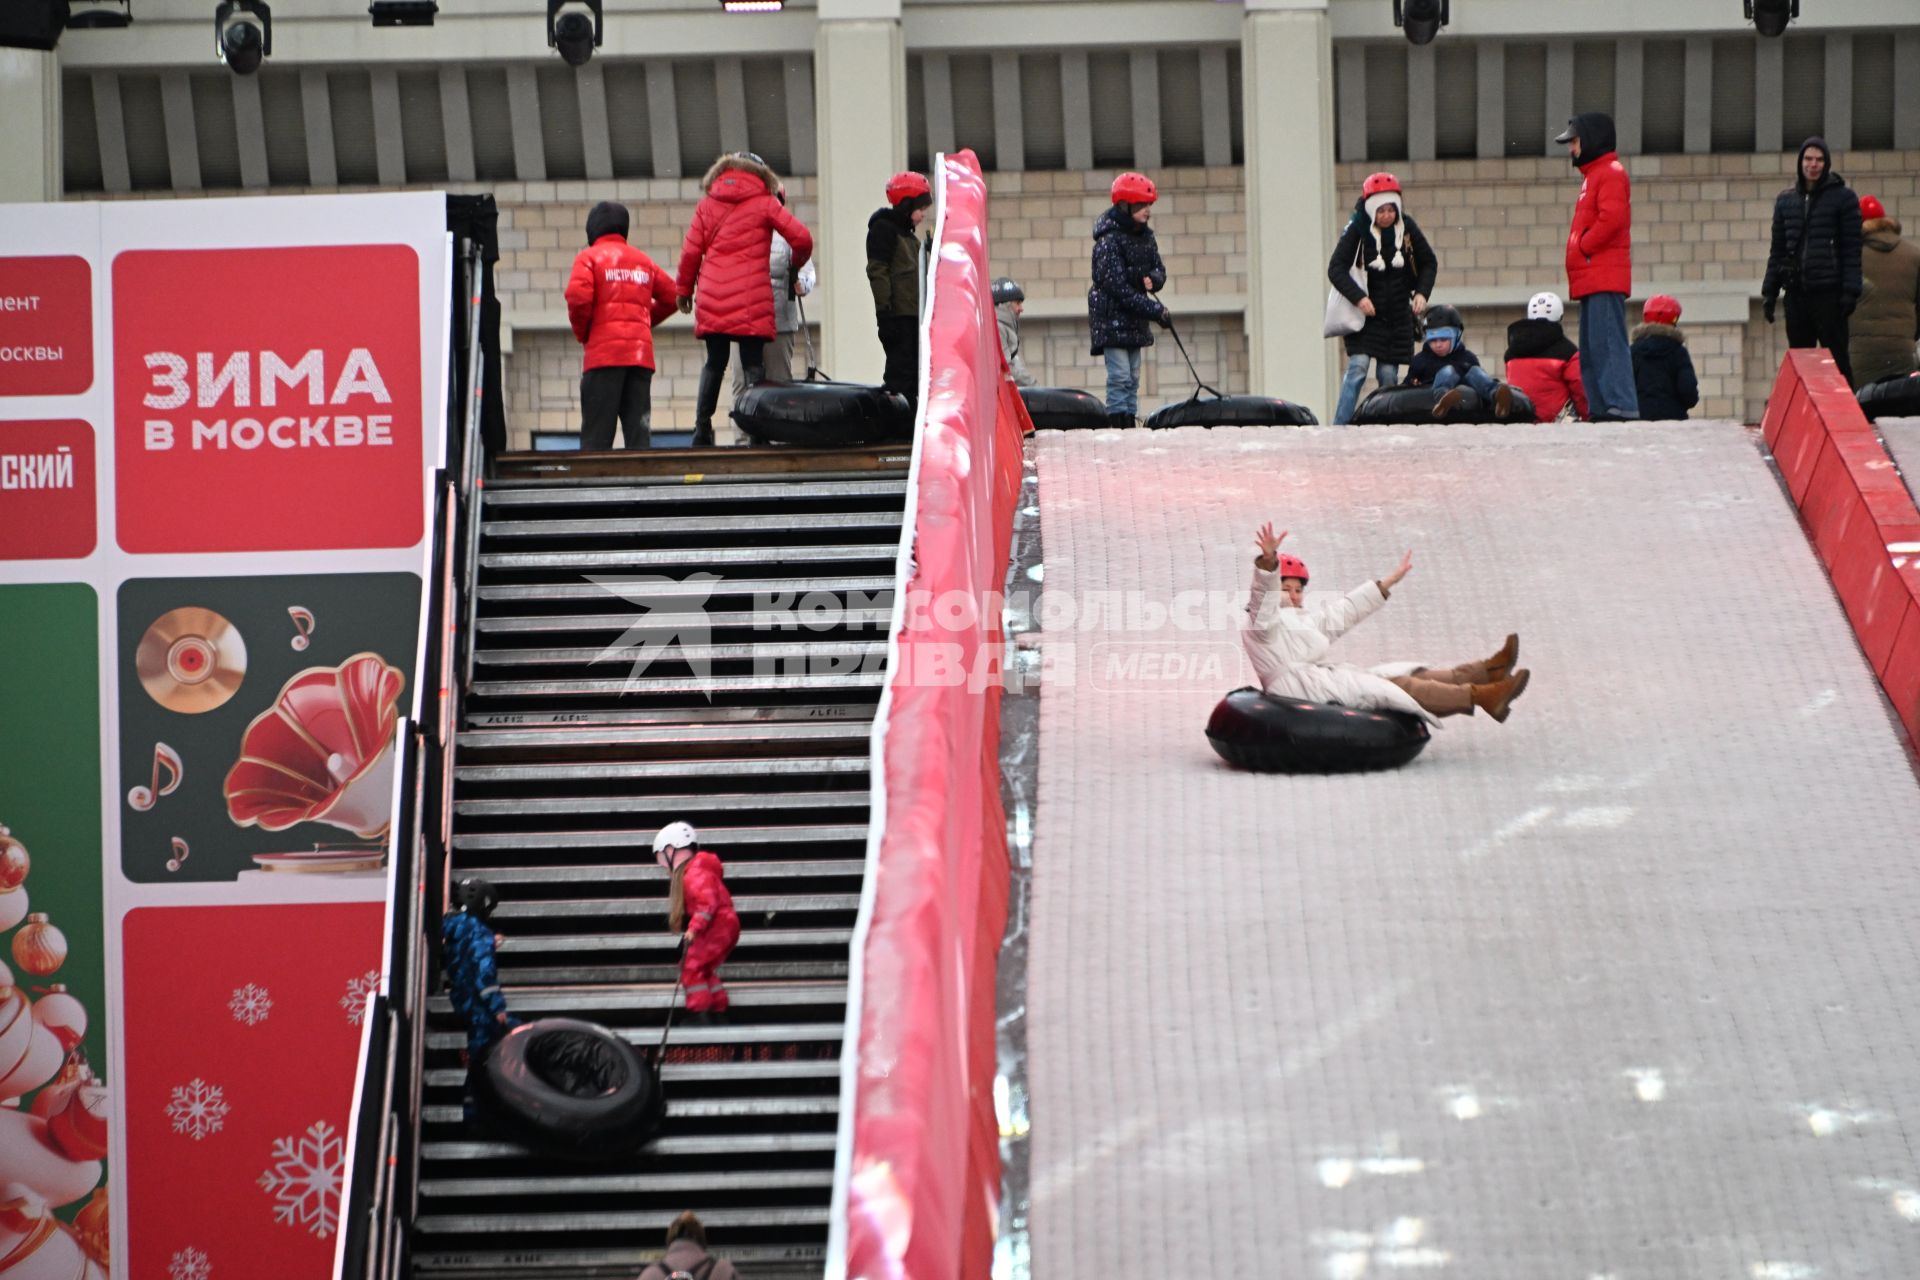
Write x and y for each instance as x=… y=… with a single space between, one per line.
x=322 y=753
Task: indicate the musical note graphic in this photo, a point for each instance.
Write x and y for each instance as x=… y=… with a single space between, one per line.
x=164 y=757
x=180 y=852
x=303 y=624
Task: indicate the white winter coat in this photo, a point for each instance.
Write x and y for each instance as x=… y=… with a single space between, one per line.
x=786 y=311
x=1289 y=648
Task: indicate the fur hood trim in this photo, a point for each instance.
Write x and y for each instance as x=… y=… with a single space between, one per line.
x=745 y=164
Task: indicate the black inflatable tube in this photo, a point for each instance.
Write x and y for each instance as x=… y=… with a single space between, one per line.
x=1064 y=409
x=822 y=415
x=1265 y=734
x=1232 y=411
x=571 y=1088
x=1391 y=406
x=1895 y=397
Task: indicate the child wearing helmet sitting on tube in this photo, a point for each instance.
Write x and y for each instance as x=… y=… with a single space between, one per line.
x=1543 y=362
x=1287 y=636
x=467 y=943
x=699 y=907
x=1444 y=363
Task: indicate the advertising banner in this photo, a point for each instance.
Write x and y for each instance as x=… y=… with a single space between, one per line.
x=218 y=424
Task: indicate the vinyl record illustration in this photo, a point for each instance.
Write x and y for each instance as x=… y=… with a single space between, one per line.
x=191 y=660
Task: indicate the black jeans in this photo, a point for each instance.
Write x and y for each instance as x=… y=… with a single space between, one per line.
x=622 y=390
x=1820 y=320
x=713 y=373
x=900 y=339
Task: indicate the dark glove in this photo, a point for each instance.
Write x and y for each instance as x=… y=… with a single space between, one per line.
x=1165 y=319
x=1766 y=308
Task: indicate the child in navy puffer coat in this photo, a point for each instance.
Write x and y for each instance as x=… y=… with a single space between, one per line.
x=1662 y=368
x=1445 y=363
x=1127 y=272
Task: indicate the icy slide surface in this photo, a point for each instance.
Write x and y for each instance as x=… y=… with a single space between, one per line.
x=1628 y=987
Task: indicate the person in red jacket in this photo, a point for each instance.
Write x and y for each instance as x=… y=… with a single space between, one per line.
x=723 y=272
x=700 y=907
x=1600 y=266
x=615 y=296
x=1541 y=362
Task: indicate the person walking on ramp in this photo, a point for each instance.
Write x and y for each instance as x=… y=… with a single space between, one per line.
x=700 y=908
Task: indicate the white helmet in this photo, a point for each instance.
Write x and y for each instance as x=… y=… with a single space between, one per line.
x=675 y=835
x=1546 y=306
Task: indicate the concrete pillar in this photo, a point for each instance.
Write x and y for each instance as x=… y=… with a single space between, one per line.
x=860 y=97
x=1286 y=59
x=30 y=142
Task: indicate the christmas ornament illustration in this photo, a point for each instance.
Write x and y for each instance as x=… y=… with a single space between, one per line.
x=39 y=948
x=90 y=1228
x=191 y=660
x=30 y=1054
x=323 y=752
x=35 y=1245
x=30 y=1157
x=63 y=1015
x=303 y=625
x=14 y=865
x=198 y=1109
x=164 y=758
x=79 y=1125
x=305 y=1179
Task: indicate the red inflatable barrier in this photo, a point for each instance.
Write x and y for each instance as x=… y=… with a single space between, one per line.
x=919 y=1172
x=1862 y=518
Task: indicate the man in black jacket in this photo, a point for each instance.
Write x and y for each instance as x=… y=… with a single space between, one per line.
x=1815 y=256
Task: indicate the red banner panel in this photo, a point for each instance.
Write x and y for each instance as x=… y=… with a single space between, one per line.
x=46 y=326
x=46 y=490
x=290 y=376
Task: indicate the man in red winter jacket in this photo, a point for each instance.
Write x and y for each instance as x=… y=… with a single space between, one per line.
x=615 y=296
x=1600 y=267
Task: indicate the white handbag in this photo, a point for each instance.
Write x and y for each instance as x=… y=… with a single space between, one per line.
x=1344 y=317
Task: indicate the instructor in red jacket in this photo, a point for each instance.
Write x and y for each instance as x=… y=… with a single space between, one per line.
x=723 y=272
x=615 y=296
x=1600 y=267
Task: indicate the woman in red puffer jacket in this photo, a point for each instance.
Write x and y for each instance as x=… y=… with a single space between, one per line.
x=723 y=271
x=615 y=296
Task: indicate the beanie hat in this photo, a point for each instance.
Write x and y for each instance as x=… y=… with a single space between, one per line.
x=1386 y=239
x=1444 y=332
x=607 y=219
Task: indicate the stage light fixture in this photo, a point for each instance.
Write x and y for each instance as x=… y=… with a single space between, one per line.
x=575 y=28
x=402 y=13
x=753 y=6
x=243 y=34
x=99 y=14
x=1770 y=17
x=1422 y=20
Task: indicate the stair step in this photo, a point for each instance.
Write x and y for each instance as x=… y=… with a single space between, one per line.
x=662 y=941
x=769 y=650
x=684 y=737
x=677 y=525
x=654 y=873
x=798 y=711
x=717 y=838
x=659 y=686
x=729 y=802
x=632 y=495
x=593 y=909
x=632 y=770
x=696 y=590
x=631 y=1183
x=441 y=1224
x=702 y=557
x=750 y=995
x=778 y=971
x=813 y=616
x=704 y=1144
x=685 y=1072
x=790 y=1261
x=692 y=1037
x=696 y=1108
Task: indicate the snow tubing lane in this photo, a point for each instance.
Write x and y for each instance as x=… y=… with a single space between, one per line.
x=822 y=415
x=1233 y=411
x=1895 y=397
x=1064 y=408
x=1399 y=405
x=1264 y=734
x=572 y=1088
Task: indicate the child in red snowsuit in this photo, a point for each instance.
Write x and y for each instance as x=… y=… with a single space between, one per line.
x=702 y=909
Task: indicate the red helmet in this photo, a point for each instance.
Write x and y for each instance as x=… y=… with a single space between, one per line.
x=1870 y=207
x=1662 y=308
x=1378 y=182
x=1293 y=567
x=906 y=186
x=1134 y=188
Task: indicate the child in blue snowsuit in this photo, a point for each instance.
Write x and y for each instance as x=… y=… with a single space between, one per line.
x=1445 y=363
x=473 y=984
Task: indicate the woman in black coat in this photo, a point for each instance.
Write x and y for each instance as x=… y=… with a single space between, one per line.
x=1400 y=268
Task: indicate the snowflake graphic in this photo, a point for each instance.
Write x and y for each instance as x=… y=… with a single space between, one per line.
x=189 y=1264
x=358 y=989
x=250 y=1004
x=305 y=1179
x=198 y=1108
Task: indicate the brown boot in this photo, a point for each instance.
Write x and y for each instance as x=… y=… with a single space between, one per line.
x=1496 y=699
x=1448 y=402
x=1502 y=400
x=1502 y=662
x=1437 y=697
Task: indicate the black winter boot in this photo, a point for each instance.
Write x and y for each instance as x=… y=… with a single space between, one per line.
x=1120 y=420
x=708 y=400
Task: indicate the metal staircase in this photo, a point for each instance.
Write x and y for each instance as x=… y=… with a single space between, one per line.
x=596 y=712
